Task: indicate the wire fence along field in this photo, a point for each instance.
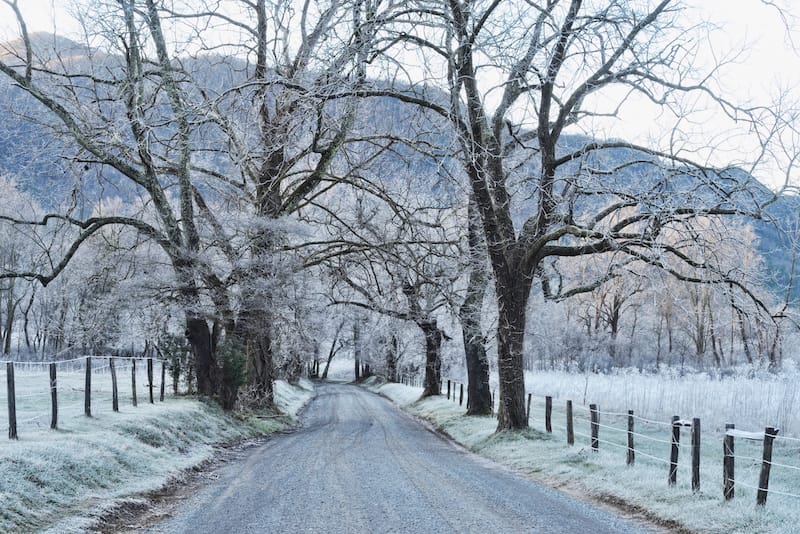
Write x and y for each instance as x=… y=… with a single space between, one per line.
x=43 y=395
x=716 y=399
x=753 y=464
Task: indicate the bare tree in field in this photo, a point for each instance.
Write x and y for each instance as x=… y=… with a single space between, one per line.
x=16 y=252
x=521 y=76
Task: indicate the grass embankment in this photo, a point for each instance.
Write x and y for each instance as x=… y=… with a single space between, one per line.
x=604 y=476
x=63 y=480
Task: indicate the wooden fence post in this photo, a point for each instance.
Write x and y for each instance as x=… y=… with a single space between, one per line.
x=133 y=381
x=150 y=378
x=548 y=413
x=728 y=463
x=673 y=453
x=87 y=389
x=163 y=377
x=114 y=390
x=631 y=459
x=12 y=401
x=763 y=478
x=696 y=454
x=595 y=426
x=448 y=390
x=528 y=410
x=461 y=396
x=570 y=428
x=53 y=398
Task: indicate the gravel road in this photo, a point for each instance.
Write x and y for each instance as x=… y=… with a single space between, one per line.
x=358 y=464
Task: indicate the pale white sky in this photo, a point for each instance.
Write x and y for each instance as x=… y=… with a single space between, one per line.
x=40 y=15
x=771 y=64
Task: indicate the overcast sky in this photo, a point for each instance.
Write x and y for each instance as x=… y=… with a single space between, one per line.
x=771 y=63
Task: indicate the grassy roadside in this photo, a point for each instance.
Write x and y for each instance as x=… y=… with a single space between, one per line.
x=603 y=475
x=63 y=480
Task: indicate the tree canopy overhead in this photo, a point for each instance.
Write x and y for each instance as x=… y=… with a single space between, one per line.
x=229 y=120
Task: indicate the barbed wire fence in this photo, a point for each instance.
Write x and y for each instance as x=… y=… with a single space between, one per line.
x=42 y=394
x=746 y=458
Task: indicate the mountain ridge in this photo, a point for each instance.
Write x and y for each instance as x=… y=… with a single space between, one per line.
x=32 y=154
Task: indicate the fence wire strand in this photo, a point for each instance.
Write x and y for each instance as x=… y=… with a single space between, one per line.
x=787 y=438
x=768 y=490
x=761 y=460
x=619 y=414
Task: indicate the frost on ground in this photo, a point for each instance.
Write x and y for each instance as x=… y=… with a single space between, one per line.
x=61 y=480
x=604 y=474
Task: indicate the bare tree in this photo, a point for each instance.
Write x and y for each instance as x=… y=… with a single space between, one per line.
x=127 y=112
x=336 y=345
x=261 y=113
x=400 y=270
x=280 y=127
x=520 y=76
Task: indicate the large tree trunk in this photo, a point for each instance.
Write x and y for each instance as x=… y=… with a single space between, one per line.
x=479 y=398
x=357 y=349
x=327 y=366
x=512 y=297
x=199 y=336
x=391 y=360
x=254 y=332
x=433 y=358
x=260 y=367
x=11 y=308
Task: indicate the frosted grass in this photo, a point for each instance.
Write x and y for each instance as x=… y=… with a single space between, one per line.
x=750 y=399
x=60 y=481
